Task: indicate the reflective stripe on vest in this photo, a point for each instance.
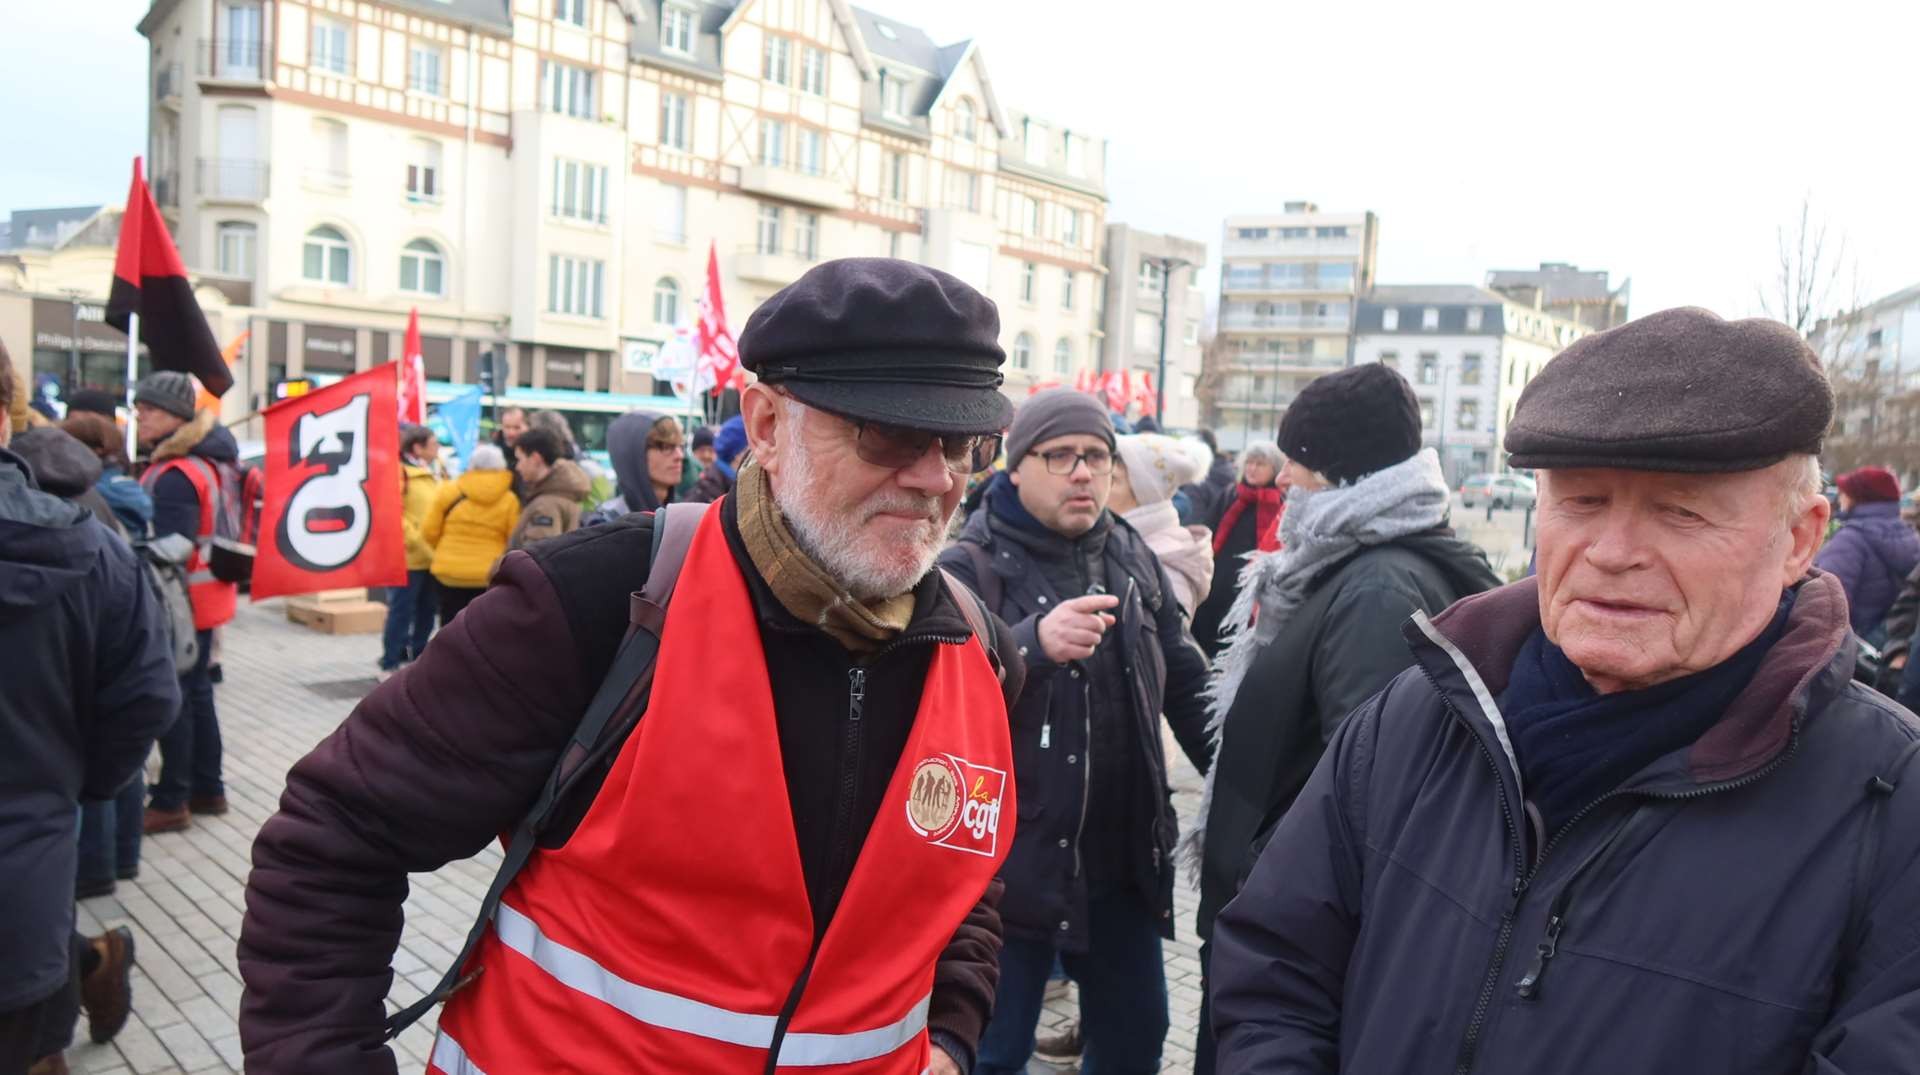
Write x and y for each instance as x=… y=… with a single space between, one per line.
x=579 y=972
x=449 y=1058
x=214 y=602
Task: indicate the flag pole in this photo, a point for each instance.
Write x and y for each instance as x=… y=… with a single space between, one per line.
x=133 y=368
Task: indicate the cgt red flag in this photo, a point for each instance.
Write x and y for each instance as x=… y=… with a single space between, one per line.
x=413 y=373
x=150 y=281
x=332 y=517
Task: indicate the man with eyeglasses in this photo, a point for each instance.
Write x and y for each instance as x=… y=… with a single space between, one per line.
x=1090 y=879
x=790 y=860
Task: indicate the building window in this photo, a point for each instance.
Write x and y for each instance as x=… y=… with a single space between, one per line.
x=1192 y=336
x=1250 y=233
x=580 y=191
x=806 y=235
x=327 y=258
x=670 y=215
x=1429 y=319
x=767 y=240
x=673 y=121
x=330 y=46
x=1873 y=338
x=1066 y=290
x=1034 y=136
x=1390 y=319
x=328 y=151
x=813 y=71
x=1031 y=216
x=1070 y=227
x=897 y=176
x=1390 y=359
x=963 y=119
x=423 y=269
x=1476 y=317
x=1146 y=333
x=963 y=190
x=1063 y=357
x=776 y=61
x=1152 y=277
x=773 y=142
x=1295 y=233
x=1426 y=414
x=1023 y=352
x=1075 y=153
x=1330 y=233
x=1469 y=369
x=423 y=170
x=240 y=52
x=574 y=286
x=676 y=29
x=1029 y=281
x=666 y=301
x=809 y=152
x=573 y=11
x=424 y=65
x=1429 y=368
x=566 y=89
x=1468 y=416
x=237 y=242
x=893 y=95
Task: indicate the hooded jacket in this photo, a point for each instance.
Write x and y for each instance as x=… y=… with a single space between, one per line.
x=468 y=527
x=1743 y=904
x=176 y=507
x=1871 y=554
x=553 y=505
x=1185 y=551
x=419 y=489
x=89 y=684
x=627 y=448
x=67 y=469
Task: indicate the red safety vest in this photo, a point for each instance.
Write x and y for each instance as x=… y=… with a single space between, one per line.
x=668 y=933
x=214 y=602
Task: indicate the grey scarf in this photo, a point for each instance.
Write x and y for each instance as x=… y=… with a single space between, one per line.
x=1318 y=532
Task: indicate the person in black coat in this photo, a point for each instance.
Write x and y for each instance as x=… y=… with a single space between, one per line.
x=1247 y=523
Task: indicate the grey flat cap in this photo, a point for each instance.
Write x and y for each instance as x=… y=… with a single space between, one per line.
x=1680 y=390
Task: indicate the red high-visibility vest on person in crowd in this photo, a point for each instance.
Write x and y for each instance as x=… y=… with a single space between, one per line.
x=672 y=932
x=214 y=602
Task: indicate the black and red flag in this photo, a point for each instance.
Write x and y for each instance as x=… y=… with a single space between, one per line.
x=150 y=281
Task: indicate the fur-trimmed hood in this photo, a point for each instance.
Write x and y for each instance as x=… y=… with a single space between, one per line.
x=203 y=436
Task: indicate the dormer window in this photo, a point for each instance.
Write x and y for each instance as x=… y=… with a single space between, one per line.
x=893 y=95
x=676 y=29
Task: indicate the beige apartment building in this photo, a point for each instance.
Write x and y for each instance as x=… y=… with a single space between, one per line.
x=1288 y=283
x=543 y=178
x=1150 y=291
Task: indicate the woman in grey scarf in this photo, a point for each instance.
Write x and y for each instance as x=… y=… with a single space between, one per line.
x=1315 y=629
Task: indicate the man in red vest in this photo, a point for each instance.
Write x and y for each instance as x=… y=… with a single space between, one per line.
x=186 y=451
x=789 y=863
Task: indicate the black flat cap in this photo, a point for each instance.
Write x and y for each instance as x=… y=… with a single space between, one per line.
x=1680 y=390
x=1347 y=425
x=886 y=340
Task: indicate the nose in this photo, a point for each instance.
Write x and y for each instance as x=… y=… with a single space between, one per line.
x=1618 y=543
x=928 y=474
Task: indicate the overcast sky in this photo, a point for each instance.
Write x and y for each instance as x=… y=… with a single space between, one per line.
x=1662 y=141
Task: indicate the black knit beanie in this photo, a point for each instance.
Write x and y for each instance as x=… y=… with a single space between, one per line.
x=1346 y=425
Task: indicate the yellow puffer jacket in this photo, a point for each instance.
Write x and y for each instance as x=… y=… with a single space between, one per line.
x=468 y=526
x=419 y=488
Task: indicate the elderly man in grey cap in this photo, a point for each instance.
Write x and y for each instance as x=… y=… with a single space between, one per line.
x=1631 y=815
x=1096 y=619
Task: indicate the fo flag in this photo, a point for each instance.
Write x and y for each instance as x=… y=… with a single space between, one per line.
x=332 y=516
x=149 y=281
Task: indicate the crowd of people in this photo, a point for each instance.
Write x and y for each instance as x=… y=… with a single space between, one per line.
x=1640 y=809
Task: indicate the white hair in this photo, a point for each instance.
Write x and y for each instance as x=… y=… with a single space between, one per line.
x=487 y=457
x=1264 y=450
x=1804 y=482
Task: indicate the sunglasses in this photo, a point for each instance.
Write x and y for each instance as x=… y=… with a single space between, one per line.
x=898 y=447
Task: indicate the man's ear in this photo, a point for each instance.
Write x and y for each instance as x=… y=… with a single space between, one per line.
x=760 y=412
x=1809 y=532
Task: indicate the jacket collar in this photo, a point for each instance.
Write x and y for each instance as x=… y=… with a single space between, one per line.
x=181 y=441
x=1468 y=652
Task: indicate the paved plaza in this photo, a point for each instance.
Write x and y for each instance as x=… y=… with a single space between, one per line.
x=285 y=688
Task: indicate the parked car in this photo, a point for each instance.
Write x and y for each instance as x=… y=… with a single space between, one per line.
x=1501 y=490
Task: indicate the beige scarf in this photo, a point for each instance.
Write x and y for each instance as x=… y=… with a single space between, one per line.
x=802 y=586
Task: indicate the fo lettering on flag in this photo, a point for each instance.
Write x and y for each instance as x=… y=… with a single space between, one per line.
x=332 y=517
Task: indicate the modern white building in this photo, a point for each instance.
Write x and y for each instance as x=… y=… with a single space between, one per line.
x=1287 y=287
x=1150 y=290
x=1469 y=352
x=1872 y=357
x=544 y=178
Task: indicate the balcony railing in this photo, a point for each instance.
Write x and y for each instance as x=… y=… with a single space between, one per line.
x=166 y=85
x=794 y=181
x=1278 y=321
x=230 y=179
x=233 y=58
x=328 y=180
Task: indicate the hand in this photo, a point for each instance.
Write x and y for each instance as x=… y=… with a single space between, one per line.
x=943 y=1064
x=1073 y=629
x=1898 y=661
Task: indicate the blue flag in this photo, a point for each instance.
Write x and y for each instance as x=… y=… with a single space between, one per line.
x=462 y=415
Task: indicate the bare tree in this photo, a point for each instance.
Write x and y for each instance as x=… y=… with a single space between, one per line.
x=1810 y=267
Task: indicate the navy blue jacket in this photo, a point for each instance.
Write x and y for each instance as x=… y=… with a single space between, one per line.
x=1746 y=904
x=1055 y=725
x=1871 y=554
x=89 y=683
x=176 y=507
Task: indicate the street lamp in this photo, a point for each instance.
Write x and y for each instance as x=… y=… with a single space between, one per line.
x=1167 y=265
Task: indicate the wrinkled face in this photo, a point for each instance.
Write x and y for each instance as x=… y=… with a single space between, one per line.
x=875 y=529
x=530 y=466
x=1259 y=472
x=513 y=422
x=1646 y=577
x=154 y=424
x=666 y=453
x=1070 y=503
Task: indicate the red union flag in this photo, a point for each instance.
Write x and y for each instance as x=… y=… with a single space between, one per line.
x=719 y=357
x=332 y=514
x=413 y=373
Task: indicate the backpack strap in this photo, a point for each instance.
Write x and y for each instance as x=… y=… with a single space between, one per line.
x=622 y=694
x=974 y=608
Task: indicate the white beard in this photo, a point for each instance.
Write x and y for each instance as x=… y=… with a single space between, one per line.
x=835 y=541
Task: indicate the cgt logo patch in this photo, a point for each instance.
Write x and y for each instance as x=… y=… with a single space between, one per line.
x=956 y=804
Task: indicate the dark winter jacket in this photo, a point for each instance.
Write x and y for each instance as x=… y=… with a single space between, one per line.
x=1745 y=904
x=715 y=482
x=1209 y=620
x=1147 y=664
x=1207 y=499
x=130 y=504
x=67 y=469
x=88 y=684
x=176 y=507
x=1334 y=652
x=436 y=762
x=1871 y=554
